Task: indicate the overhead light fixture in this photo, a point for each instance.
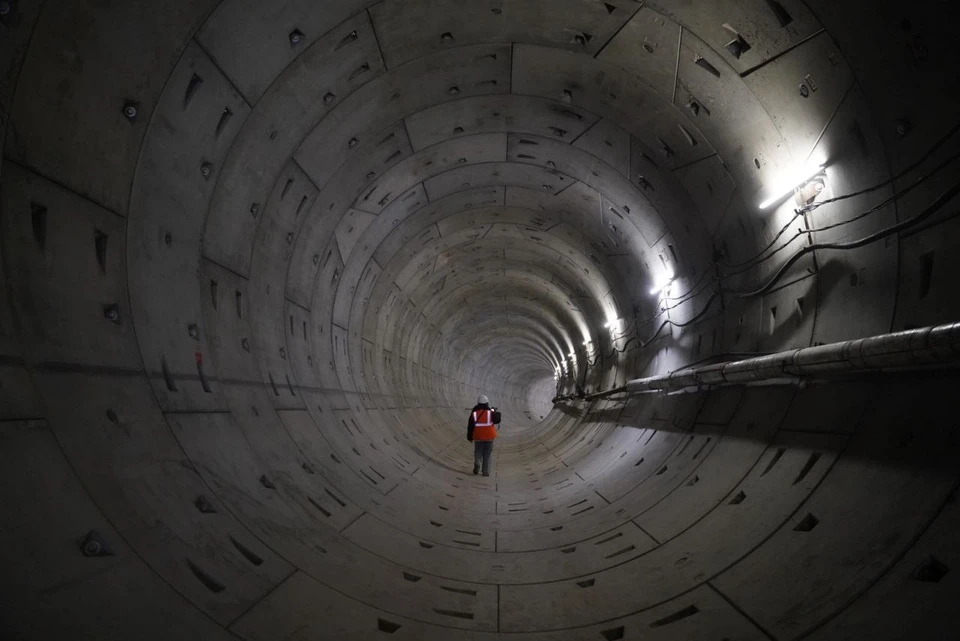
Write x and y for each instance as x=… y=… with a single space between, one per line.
x=613 y=325
x=662 y=283
x=789 y=187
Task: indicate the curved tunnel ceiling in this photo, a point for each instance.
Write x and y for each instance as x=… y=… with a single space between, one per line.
x=259 y=260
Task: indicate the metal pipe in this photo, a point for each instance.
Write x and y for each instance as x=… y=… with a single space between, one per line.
x=910 y=349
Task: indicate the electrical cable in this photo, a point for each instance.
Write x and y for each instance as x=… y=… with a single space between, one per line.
x=690 y=295
x=697 y=317
x=796 y=214
x=936 y=146
x=759 y=258
x=808 y=208
x=692 y=287
x=866 y=240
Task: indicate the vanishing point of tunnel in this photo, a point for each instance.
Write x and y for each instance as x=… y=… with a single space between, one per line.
x=260 y=258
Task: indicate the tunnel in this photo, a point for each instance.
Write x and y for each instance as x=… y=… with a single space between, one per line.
x=261 y=259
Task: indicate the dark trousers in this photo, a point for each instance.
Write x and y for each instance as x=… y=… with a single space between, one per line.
x=482 y=454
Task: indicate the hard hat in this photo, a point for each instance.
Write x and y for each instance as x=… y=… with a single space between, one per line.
x=483 y=400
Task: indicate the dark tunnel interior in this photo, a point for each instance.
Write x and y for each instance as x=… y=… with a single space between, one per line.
x=259 y=260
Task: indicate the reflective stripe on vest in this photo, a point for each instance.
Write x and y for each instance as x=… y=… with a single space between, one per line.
x=476 y=418
x=483 y=427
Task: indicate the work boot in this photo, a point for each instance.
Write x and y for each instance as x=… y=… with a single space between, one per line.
x=476 y=471
x=486 y=473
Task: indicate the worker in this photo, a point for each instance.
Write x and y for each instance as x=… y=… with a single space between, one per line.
x=481 y=430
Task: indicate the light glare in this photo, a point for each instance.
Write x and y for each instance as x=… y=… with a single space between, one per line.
x=794 y=184
x=663 y=282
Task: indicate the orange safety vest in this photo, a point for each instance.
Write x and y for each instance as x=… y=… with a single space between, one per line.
x=483 y=427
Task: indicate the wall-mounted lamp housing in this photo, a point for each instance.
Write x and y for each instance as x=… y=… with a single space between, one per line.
x=662 y=283
x=797 y=182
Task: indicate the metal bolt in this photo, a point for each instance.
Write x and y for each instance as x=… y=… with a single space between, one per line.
x=93 y=544
x=245 y=344
x=316 y=259
x=804 y=91
x=295 y=36
x=903 y=127
x=580 y=40
x=289 y=238
x=193 y=331
x=112 y=313
x=130 y=111
x=168 y=239
x=454 y=91
x=4 y=8
x=255 y=209
x=328 y=98
x=353 y=142
x=310 y=360
x=283 y=353
x=205 y=169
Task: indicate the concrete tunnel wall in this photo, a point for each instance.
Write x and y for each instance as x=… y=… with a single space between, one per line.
x=260 y=258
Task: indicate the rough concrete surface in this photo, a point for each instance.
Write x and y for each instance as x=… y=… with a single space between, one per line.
x=260 y=259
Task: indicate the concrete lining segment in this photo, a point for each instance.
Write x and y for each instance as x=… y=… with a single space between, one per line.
x=250 y=317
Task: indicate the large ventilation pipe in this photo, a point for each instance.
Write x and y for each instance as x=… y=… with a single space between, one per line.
x=898 y=352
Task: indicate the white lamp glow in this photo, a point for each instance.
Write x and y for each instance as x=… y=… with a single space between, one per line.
x=787 y=188
x=662 y=283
